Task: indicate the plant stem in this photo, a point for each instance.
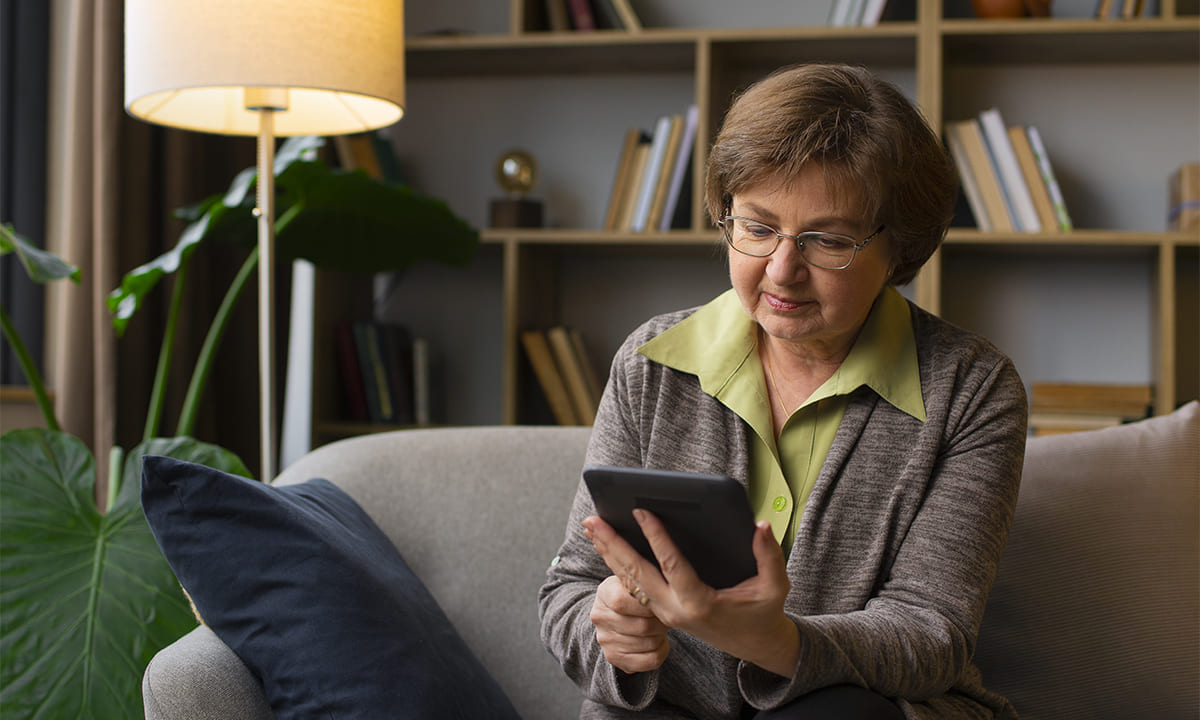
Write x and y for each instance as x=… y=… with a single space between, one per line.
x=191 y=401
x=158 y=394
x=116 y=476
x=208 y=351
x=30 y=369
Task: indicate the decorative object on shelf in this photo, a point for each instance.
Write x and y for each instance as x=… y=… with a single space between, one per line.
x=287 y=69
x=516 y=173
x=997 y=9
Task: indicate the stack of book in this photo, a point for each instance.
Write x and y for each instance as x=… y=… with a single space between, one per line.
x=1072 y=407
x=1006 y=175
x=384 y=372
x=565 y=373
x=651 y=175
x=588 y=15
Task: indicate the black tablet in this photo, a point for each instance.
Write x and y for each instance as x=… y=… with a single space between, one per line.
x=708 y=516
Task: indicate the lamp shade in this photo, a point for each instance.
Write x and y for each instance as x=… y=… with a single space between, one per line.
x=329 y=66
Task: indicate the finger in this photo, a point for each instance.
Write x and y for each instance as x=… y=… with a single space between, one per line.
x=636 y=572
x=768 y=555
x=675 y=568
x=621 y=600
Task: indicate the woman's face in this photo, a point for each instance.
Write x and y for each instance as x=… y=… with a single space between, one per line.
x=819 y=311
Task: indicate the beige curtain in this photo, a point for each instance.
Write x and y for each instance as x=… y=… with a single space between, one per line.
x=113 y=181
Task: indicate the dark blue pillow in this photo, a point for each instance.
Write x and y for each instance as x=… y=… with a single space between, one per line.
x=313 y=597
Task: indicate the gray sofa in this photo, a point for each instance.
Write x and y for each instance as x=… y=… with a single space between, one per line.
x=1095 y=612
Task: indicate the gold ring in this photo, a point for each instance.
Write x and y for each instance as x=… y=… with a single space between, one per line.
x=643 y=598
x=634 y=592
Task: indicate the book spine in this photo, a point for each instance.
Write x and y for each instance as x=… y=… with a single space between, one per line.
x=355 y=398
x=658 y=149
x=370 y=379
x=629 y=18
x=549 y=376
x=682 y=160
x=581 y=15
x=1048 y=176
x=568 y=362
x=1033 y=178
x=658 y=202
x=422 y=408
x=621 y=178
x=996 y=135
x=970 y=184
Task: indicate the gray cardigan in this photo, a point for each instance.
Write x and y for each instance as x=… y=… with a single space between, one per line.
x=892 y=560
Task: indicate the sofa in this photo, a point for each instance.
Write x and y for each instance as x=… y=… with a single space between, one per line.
x=1095 y=612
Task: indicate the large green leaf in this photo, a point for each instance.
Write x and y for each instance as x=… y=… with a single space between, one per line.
x=87 y=598
x=40 y=265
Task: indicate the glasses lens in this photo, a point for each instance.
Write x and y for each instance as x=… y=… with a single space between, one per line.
x=750 y=237
x=825 y=250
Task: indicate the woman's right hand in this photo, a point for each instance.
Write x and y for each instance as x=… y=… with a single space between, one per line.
x=633 y=639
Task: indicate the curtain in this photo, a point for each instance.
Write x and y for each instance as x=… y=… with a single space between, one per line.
x=24 y=39
x=112 y=183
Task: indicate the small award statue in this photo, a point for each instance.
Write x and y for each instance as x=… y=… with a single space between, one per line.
x=516 y=171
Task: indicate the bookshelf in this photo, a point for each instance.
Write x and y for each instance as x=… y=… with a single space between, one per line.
x=1092 y=87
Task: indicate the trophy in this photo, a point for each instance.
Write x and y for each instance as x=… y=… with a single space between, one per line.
x=516 y=172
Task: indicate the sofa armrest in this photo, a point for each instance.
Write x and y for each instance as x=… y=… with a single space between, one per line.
x=199 y=678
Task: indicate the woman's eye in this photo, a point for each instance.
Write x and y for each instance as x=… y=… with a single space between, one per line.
x=830 y=242
x=759 y=231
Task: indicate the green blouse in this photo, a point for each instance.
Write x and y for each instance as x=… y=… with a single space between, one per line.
x=718 y=344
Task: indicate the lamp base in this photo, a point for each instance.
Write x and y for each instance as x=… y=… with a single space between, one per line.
x=515 y=213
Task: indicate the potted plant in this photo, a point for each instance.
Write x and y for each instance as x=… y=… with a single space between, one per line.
x=86 y=596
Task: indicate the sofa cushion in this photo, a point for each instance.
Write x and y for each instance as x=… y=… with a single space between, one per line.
x=1095 y=612
x=300 y=583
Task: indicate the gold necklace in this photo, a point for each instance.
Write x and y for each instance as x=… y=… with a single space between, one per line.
x=771 y=377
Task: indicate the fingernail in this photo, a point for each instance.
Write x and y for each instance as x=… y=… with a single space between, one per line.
x=639 y=515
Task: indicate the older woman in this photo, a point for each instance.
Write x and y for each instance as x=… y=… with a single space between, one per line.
x=881 y=447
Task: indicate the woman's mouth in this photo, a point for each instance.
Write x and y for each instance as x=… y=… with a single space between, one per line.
x=781 y=304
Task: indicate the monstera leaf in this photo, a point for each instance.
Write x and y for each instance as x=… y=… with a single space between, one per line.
x=87 y=597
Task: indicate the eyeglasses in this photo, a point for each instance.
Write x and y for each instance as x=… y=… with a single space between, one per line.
x=830 y=251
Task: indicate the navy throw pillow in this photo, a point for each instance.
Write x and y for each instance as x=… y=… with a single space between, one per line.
x=313 y=597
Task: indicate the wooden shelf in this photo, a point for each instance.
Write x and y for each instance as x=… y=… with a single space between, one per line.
x=530 y=274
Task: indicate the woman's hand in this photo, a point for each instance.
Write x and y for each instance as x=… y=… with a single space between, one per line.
x=746 y=620
x=633 y=639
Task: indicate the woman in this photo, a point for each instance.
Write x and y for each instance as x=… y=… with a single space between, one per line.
x=881 y=447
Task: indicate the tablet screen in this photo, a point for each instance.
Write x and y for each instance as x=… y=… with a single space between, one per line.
x=707 y=516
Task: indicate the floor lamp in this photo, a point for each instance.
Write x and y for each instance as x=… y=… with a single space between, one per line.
x=268 y=68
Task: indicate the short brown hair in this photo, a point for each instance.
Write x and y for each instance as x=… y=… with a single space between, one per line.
x=871 y=141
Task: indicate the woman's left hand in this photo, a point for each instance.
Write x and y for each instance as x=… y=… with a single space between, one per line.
x=746 y=620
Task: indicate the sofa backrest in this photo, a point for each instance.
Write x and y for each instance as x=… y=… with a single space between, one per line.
x=478 y=514
x=1095 y=612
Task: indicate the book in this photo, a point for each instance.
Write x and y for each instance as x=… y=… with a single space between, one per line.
x=1048 y=177
x=632 y=190
x=966 y=176
x=607 y=17
x=582 y=19
x=1128 y=401
x=1104 y=9
x=645 y=195
x=375 y=374
x=621 y=178
x=422 y=382
x=683 y=162
x=970 y=138
x=629 y=18
x=1033 y=178
x=595 y=384
x=1052 y=423
x=1183 y=189
x=549 y=377
x=662 y=185
x=354 y=398
x=1016 y=193
x=571 y=365
x=557 y=19
x=397 y=345
x=872 y=13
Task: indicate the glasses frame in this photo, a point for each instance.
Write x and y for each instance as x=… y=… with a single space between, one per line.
x=856 y=245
